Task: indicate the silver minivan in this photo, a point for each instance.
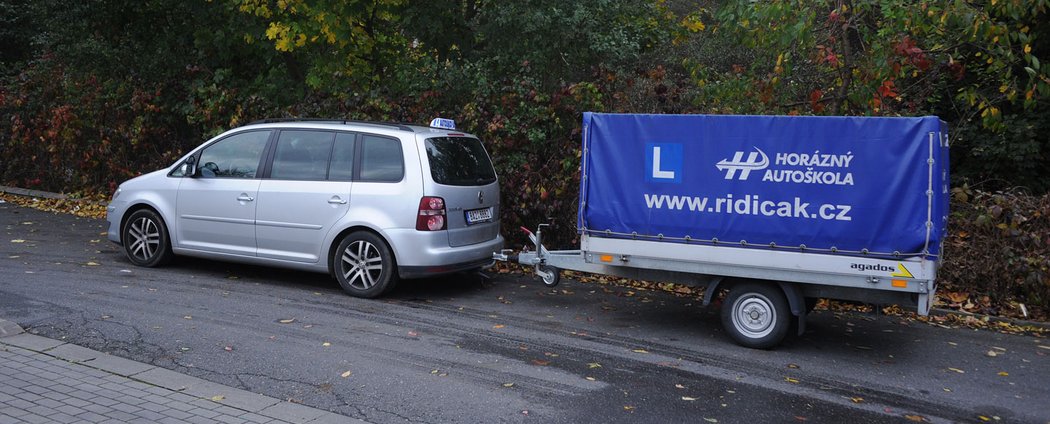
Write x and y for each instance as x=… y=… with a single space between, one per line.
x=370 y=203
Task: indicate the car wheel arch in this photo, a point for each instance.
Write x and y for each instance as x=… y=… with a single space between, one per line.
x=334 y=244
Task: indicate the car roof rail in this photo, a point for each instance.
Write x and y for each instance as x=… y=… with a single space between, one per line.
x=398 y=125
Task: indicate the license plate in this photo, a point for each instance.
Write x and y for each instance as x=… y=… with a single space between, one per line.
x=479 y=215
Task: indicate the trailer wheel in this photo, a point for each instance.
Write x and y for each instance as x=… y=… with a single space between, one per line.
x=756 y=315
x=550 y=275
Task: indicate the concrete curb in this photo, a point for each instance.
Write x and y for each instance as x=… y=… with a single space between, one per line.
x=8 y=329
x=32 y=193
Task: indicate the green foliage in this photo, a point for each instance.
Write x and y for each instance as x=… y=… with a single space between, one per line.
x=974 y=64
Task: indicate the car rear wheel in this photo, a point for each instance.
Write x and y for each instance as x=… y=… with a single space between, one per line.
x=364 y=265
x=145 y=239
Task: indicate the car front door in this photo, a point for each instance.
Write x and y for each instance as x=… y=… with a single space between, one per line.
x=216 y=207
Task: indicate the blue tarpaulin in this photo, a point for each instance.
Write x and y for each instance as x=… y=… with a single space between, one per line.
x=848 y=185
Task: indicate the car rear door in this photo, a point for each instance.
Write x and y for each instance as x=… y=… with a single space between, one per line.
x=307 y=191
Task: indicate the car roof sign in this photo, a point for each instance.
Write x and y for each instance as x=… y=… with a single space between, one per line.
x=447 y=124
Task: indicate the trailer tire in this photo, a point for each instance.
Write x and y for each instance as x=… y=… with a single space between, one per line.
x=550 y=275
x=756 y=315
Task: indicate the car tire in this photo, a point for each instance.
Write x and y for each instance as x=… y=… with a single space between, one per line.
x=756 y=315
x=364 y=265
x=145 y=239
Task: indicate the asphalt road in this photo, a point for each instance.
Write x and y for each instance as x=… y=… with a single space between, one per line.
x=467 y=348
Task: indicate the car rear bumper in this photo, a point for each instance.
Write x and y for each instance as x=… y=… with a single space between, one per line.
x=420 y=254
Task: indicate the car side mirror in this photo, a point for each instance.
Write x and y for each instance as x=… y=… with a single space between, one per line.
x=189 y=167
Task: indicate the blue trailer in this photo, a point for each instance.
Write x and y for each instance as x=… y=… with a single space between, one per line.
x=779 y=210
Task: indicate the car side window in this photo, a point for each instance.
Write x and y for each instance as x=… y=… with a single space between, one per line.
x=342 y=167
x=236 y=156
x=381 y=159
x=302 y=155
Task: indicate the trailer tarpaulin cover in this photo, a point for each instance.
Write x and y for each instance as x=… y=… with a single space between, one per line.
x=852 y=185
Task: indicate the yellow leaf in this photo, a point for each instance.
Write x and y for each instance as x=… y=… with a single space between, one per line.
x=346 y=374
x=857 y=399
x=982 y=417
x=628 y=408
x=915 y=418
x=594 y=365
x=217 y=398
x=1003 y=373
x=498 y=326
x=18 y=241
x=957 y=370
x=790 y=380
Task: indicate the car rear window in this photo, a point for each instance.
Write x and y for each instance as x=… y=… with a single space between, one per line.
x=459 y=161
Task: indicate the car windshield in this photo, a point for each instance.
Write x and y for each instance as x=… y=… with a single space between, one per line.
x=459 y=161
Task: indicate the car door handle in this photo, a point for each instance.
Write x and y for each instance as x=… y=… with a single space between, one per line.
x=245 y=198
x=335 y=200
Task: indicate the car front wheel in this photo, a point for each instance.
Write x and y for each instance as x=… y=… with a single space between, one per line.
x=364 y=265
x=145 y=238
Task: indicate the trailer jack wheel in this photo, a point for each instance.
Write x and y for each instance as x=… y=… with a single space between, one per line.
x=551 y=276
x=756 y=315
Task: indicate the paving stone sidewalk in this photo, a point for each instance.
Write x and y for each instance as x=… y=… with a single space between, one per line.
x=48 y=381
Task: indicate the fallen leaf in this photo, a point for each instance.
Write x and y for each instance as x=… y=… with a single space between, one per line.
x=594 y=365
x=1003 y=374
x=188 y=317
x=710 y=420
x=92 y=264
x=991 y=354
x=628 y=408
x=688 y=399
x=793 y=366
x=326 y=344
x=287 y=321
x=915 y=418
x=106 y=317
x=1044 y=347
x=232 y=277
x=639 y=351
x=679 y=386
x=983 y=418
x=228 y=348
x=217 y=398
x=856 y=399
x=589 y=378
x=957 y=370
x=541 y=362
x=790 y=380
x=346 y=374
x=498 y=326
x=508 y=384
x=18 y=241
x=412 y=334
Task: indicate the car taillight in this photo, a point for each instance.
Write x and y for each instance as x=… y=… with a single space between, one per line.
x=431 y=214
